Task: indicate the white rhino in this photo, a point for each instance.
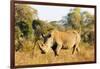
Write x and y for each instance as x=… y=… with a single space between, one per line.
x=68 y=39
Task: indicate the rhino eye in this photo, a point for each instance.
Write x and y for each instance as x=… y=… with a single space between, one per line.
x=49 y=36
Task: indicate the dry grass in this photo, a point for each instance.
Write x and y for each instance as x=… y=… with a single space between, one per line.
x=26 y=58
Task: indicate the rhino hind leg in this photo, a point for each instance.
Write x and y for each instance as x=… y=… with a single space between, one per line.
x=75 y=48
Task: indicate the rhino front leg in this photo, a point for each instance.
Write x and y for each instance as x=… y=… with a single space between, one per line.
x=58 y=49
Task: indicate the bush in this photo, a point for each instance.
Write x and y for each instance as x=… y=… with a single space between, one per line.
x=88 y=36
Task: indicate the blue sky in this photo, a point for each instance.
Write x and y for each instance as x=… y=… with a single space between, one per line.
x=55 y=13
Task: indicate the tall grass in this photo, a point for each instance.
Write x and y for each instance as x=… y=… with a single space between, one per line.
x=25 y=57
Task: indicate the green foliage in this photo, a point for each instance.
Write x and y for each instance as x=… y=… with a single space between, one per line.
x=87 y=24
x=87 y=18
x=24 y=28
x=24 y=15
x=83 y=22
x=73 y=19
x=88 y=36
x=55 y=25
x=74 y=16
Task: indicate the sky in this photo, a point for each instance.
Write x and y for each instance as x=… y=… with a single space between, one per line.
x=55 y=13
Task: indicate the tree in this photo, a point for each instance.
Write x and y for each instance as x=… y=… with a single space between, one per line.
x=87 y=18
x=73 y=19
x=24 y=15
x=83 y=22
x=57 y=25
x=24 y=28
x=87 y=24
